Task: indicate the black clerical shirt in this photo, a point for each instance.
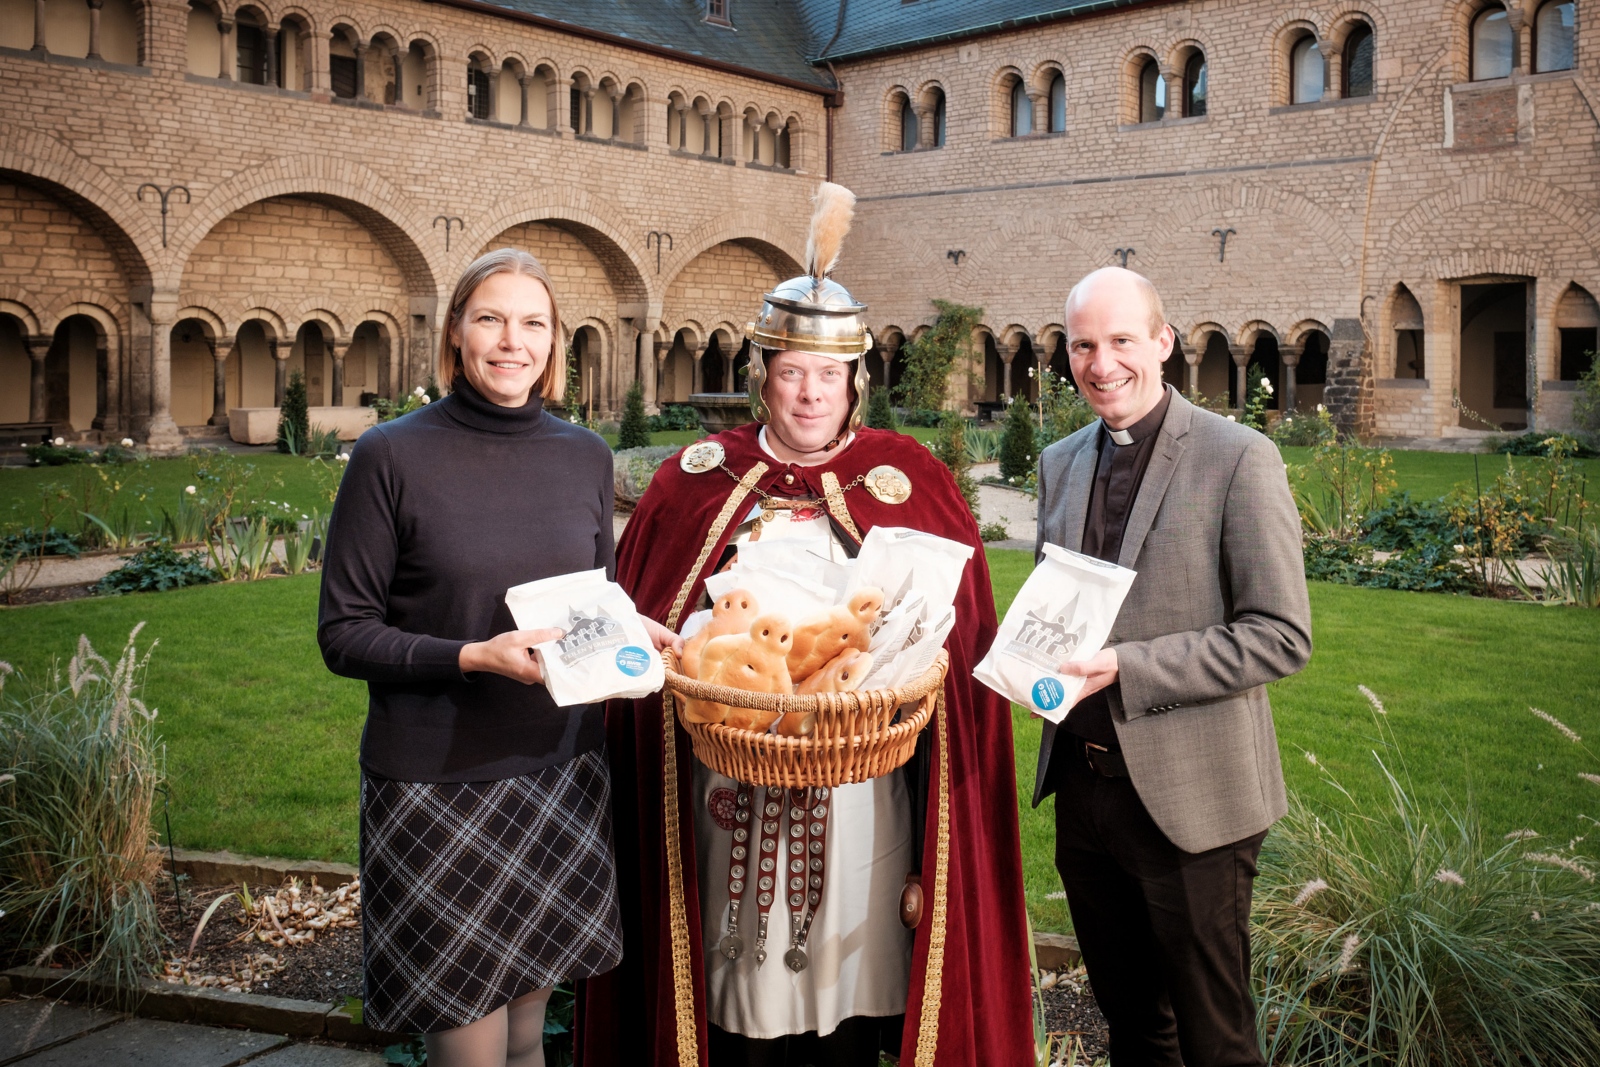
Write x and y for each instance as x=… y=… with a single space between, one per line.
x=1117 y=478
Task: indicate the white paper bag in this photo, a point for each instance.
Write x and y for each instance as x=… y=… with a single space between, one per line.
x=606 y=651
x=898 y=560
x=777 y=592
x=1064 y=611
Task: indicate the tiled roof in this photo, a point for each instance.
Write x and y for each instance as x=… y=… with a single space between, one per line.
x=769 y=36
x=872 y=26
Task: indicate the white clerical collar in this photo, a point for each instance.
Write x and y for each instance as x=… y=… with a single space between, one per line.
x=761 y=439
x=1121 y=437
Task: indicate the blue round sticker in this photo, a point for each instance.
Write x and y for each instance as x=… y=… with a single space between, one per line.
x=633 y=660
x=1048 y=694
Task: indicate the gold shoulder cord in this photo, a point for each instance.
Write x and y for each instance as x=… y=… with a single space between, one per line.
x=678 y=915
x=928 y=1024
x=836 y=504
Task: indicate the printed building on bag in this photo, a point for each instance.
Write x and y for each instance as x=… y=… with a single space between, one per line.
x=1393 y=209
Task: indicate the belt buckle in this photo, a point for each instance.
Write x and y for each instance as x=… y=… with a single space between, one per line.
x=1090 y=750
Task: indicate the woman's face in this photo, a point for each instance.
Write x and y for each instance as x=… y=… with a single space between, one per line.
x=504 y=335
x=809 y=397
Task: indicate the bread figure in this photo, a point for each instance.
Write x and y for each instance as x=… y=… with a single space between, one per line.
x=731 y=614
x=756 y=661
x=841 y=674
x=820 y=638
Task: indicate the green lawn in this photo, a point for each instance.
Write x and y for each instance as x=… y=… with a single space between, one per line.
x=262 y=739
x=1430 y=475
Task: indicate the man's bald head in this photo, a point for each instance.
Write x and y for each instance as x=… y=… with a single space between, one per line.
x=1118 y=283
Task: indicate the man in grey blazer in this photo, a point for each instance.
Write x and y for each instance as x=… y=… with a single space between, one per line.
x=1166 y=770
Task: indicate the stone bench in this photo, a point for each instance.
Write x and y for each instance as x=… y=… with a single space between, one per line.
x=259 y=426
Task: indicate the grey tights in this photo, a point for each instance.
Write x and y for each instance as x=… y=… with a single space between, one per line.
x=510 y=1036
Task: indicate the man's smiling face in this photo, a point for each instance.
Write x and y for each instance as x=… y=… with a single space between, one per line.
x=1117 y=344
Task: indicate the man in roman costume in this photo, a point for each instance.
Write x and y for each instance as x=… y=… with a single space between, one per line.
x=917 y=941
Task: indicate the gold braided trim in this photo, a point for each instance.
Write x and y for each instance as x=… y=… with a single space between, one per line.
x=835 y=495
x=678 y=915
x=928 y=1025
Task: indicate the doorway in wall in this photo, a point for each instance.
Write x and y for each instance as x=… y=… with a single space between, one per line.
x=1494 y=354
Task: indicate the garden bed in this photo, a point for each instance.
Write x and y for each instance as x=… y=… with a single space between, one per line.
x=1071 y=1014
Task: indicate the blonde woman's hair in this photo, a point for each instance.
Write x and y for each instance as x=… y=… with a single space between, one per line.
x=552 y=384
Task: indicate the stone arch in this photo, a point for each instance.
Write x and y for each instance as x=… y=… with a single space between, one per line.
x=1132 y=66
x=271 y=321
x=1247 y=333
x=335 y=181
x=759 y=231
x=1571 y=211
x=210 y=318
x=1008 y=117
x=586 y=217
x=22 y=312
x=1297 y=333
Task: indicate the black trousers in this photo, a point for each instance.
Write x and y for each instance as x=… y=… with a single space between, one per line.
x=1165 y=933
x=856 y=1042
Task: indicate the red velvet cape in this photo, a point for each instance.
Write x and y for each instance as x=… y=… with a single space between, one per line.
x=650 y=1011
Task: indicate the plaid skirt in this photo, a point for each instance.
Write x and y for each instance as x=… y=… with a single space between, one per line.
x=475 y=893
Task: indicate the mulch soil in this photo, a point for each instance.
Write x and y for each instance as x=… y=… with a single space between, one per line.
x=49 y=595
x=1073 y=1014
x=326 y=969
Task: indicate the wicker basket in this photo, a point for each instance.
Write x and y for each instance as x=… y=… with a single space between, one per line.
x=856 y=738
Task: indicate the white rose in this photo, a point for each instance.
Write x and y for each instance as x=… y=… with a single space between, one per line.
x=1265 y=384
x=419 y=391
x=423 y=398
x=1232 y=419
x=344 y=457
x=189 y=489
x=1321 y=409
x=59 y=441
x=127 y=442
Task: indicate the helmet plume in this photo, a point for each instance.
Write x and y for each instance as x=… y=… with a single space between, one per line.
x=835 y=207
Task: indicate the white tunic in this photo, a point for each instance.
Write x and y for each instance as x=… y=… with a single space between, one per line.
x=860 y=955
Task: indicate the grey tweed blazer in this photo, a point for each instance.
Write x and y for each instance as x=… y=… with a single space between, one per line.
x=1219 y=609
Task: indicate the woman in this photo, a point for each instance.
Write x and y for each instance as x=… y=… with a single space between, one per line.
x=486 y=861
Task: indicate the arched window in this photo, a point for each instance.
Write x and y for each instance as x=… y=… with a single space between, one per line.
x=1552 y=36
x=1358 y=50
x=1492 y=45
x=782 y=148
x=1152 y=92
x=1058 y=104
x=1194 y=85
x=1305 y=71
x=1021 y=110
x=343 y=75
x=251 y=45
x=477 y=92
x=908 y=126
x=938 y=117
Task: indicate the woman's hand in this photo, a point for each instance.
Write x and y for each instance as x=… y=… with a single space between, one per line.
x=662 y=637
x=509 y=654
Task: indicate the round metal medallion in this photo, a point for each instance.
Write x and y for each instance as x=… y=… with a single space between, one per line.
x=795 y=960
x=731 y=946
x=701 y=456
x=889 y=484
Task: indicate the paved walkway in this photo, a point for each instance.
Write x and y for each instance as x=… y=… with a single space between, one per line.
x=47 y=1033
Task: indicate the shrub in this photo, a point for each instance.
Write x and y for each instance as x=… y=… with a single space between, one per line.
x=994 y=531
x=1340 y=487
x=634 y=431
x=983 y=445
x=158 y=567
x=294 y=417
x=1399 y=524
x=1405 y=938
x=1017 y=442
x=632 y=469
x=674 y=417
x=79 y=770
x=418 y=398
x=951 y=450
x=47 y=542
x=1065 y=410
x=1536 y=443
x=880 y=413
x=1298 y=428
x=923 y=418
x=929 y=360
x=1255 y=405
x=1586 y=405
x=57 y=454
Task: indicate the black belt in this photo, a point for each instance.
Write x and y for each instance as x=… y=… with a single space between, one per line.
x=1108 y=763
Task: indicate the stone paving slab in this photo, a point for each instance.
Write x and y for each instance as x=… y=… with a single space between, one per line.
x=318 y=1056
x=145 y=1043
x=26 y=1025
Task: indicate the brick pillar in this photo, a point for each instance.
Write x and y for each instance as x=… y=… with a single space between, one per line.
x=1290 y=357
x=1348 y=394
x=280 y=371
x=162 y=433
x=225 y=65
x=38 y=395
x=1241 y=362
x=94 y=28
x=220 y=350
x=38 y=26
x=338 y=350
x=271 y=43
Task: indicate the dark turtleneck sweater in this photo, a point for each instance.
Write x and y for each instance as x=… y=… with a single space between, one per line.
x=440 y=512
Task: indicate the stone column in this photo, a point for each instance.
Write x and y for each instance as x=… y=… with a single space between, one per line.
x=1007 y=353
x=399 y=77
x=888 y=349
x=523 y=81
x=677 y=132
x=227 y=49
x=652 y=396
x=1333 y=71
x=361 y=71
x=1192 y=357
x=1290 y=356
x=220 y=349
x=38 y=26
x=162 y=434
x=1522 y=32
x=695 y=384
x=1241 y=364
x=94 y=28
x=754 y=125
x=1174 y=81
x=558 y=100
x=102 y=388
x=727 y=370
x=588 y=111
x=38 y=402
x=280 y=371
x=270 y=42
x=925 y=130
x=1040 y=99
x=338 y=350
x=494 y=95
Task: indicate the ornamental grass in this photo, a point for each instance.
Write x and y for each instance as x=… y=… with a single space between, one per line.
x=79 y=771
x=1386 y=935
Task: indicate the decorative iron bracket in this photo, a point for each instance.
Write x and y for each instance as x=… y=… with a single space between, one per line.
x=658 y=236
x=1123 y=254
x=448 y=220
x=1222 y=247
x=955 y=254
x=164 y=194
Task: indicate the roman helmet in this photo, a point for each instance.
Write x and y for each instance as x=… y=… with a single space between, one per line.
x=813 y=313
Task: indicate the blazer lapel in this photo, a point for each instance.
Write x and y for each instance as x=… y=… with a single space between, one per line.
x=1079 y=483
x=1168 y=451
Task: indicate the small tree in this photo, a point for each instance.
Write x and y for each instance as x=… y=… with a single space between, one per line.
x=294 y=417
x=950 y=448
x=1017 y=444
x=931 y=357
x=880 y=413
x=635 y=429
x=1257 y=398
